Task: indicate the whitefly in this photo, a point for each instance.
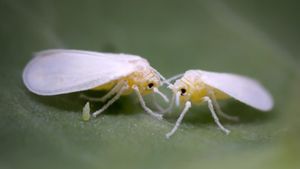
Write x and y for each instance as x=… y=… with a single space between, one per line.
x=199 y=86
x=61 y=71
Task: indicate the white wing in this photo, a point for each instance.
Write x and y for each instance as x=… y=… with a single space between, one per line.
x=244 y=89
x=60 y=71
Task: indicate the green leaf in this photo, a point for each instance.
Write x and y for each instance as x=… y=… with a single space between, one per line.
x=252 y=38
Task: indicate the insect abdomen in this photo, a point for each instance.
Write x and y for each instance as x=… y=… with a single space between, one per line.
x=106 y=86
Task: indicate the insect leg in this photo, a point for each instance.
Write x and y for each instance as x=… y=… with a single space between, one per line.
x=218 y=108
x=177 y=99
x=213 y=113
x=171 y=104
x=113 y=91
x=158 y=107
x=143 y=104
x=161 y=109
x=178 y=122
x=111 y=101
x=221 y=113
x=155 y=90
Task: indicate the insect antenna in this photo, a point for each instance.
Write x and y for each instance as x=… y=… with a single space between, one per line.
x=168 y=81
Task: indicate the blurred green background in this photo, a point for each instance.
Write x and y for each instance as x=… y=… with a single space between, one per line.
x=256 y=38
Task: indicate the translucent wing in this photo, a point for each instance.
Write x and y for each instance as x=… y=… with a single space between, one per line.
x=241 y=88
x=60 y=71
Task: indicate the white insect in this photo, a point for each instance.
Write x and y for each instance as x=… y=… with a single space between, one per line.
x=198 y=86
x=59 y=71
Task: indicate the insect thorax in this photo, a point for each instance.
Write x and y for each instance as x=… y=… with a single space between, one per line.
x=195 y=88
x=142 y=78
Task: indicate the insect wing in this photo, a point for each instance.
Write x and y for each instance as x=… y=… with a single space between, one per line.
x=54 y=72
x=241 y=88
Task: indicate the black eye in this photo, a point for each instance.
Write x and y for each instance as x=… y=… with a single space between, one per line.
x=150 y=85
x=183 y=91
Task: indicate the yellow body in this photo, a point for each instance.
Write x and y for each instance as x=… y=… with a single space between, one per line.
x=198 y=93
x=106 y=86
x=195 y=90
x=141 y=79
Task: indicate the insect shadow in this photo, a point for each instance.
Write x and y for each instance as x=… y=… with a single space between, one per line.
x=200 y=115
x=74 y=103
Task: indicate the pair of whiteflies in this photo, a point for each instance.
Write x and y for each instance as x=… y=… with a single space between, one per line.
x=60 y=71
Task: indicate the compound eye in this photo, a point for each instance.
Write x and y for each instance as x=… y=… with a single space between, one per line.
x=150 y=85
x=183 y=91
